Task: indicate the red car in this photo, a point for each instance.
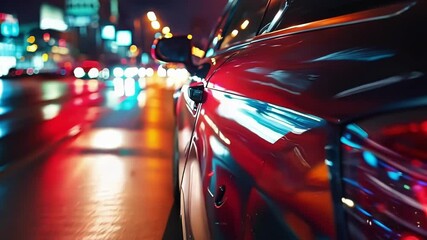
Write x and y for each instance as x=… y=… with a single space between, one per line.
x=89 y=69
x=305 y=120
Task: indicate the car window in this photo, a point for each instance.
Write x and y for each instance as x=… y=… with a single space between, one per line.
x=217 y=35
x=245 y=22
x=304 y=11
x=273 y=11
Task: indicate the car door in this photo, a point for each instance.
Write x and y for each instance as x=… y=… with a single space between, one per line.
x=213 y=193
x=194 y=221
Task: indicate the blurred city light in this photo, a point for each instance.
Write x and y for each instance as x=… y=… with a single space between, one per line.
x=1 y=89
x=155 y=25
x=9 y=25
x=118 y=72
x=142 y=83
x=131 y=72
x=348 y=202
x=60 y=50
x=161 y=71
x=141 y=72
x=93 y=85
x=32 y=48
x=157 y=35
x=30 y=71
x=7 y=62
x=189 y=36
x=197 y=52
x=105 y=73
x=50 y=111
x=151 y=16
x=79 y=84
x=108 y=32
x=234 y=33
x=130 y=87
x=45 y=57
x=133 y=48
x=142 y=99
x=145 y=58
x=38 y=62
x=124 y=38
x=166 y=30
x=107 y=139
x=133 y=51
x=52 y=17
x=52 y=90
x=62 y=43
x=171 y=72
x=149 y=72
x=46 y=37
x=79 y=72
x=31 y=39
x=93 y=73
x=119 y=89
x=168 y=35
x=244 y=24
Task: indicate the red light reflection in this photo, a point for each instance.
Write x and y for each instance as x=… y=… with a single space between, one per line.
x=421 y=195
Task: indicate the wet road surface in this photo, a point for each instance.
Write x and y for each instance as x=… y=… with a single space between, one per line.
x=108 y=177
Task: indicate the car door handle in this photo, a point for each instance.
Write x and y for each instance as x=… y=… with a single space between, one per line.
x=219 y=198
x=196 y=92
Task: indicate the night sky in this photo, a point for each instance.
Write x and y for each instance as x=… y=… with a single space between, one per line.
x=181 y=15
x=26 y=10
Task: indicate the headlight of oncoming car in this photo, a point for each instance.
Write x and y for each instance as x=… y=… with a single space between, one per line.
x=384 y=176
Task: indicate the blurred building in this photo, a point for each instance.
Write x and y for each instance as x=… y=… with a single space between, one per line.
x=47 y=51
x=44 y=46
x=82 y=16
x=10 y=44
x=89 y=19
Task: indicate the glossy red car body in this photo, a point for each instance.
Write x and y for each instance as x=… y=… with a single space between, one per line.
x=312 y=130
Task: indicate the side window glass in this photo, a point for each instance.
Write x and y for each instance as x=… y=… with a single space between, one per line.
x=217 y=35
x=245 y=22
x=274 y=11
x=305 y=11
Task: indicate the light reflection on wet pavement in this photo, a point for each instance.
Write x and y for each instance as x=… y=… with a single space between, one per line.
x=112 y=181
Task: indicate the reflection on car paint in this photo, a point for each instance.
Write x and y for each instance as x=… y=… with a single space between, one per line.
x=384 y=188
x=295 y=83
x=215 y=128
x=268 y=121
x=379 y=84
x=357 y=54
x=4 y=128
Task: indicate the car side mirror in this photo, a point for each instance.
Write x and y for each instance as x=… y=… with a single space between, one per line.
x=175 y=49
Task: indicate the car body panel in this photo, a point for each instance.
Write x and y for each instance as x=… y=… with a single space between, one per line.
x=253 y=148
x=187 y=114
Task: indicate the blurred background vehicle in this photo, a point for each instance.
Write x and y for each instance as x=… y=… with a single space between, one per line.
x=90 y=69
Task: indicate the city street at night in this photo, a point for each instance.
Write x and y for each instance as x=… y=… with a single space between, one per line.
x=84 y=159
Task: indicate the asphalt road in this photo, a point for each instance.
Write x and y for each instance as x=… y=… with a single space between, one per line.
x=81 y=159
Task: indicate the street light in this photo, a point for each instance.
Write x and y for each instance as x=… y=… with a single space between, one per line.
x=166 y=30
x=155 y=25
x=151 y=16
